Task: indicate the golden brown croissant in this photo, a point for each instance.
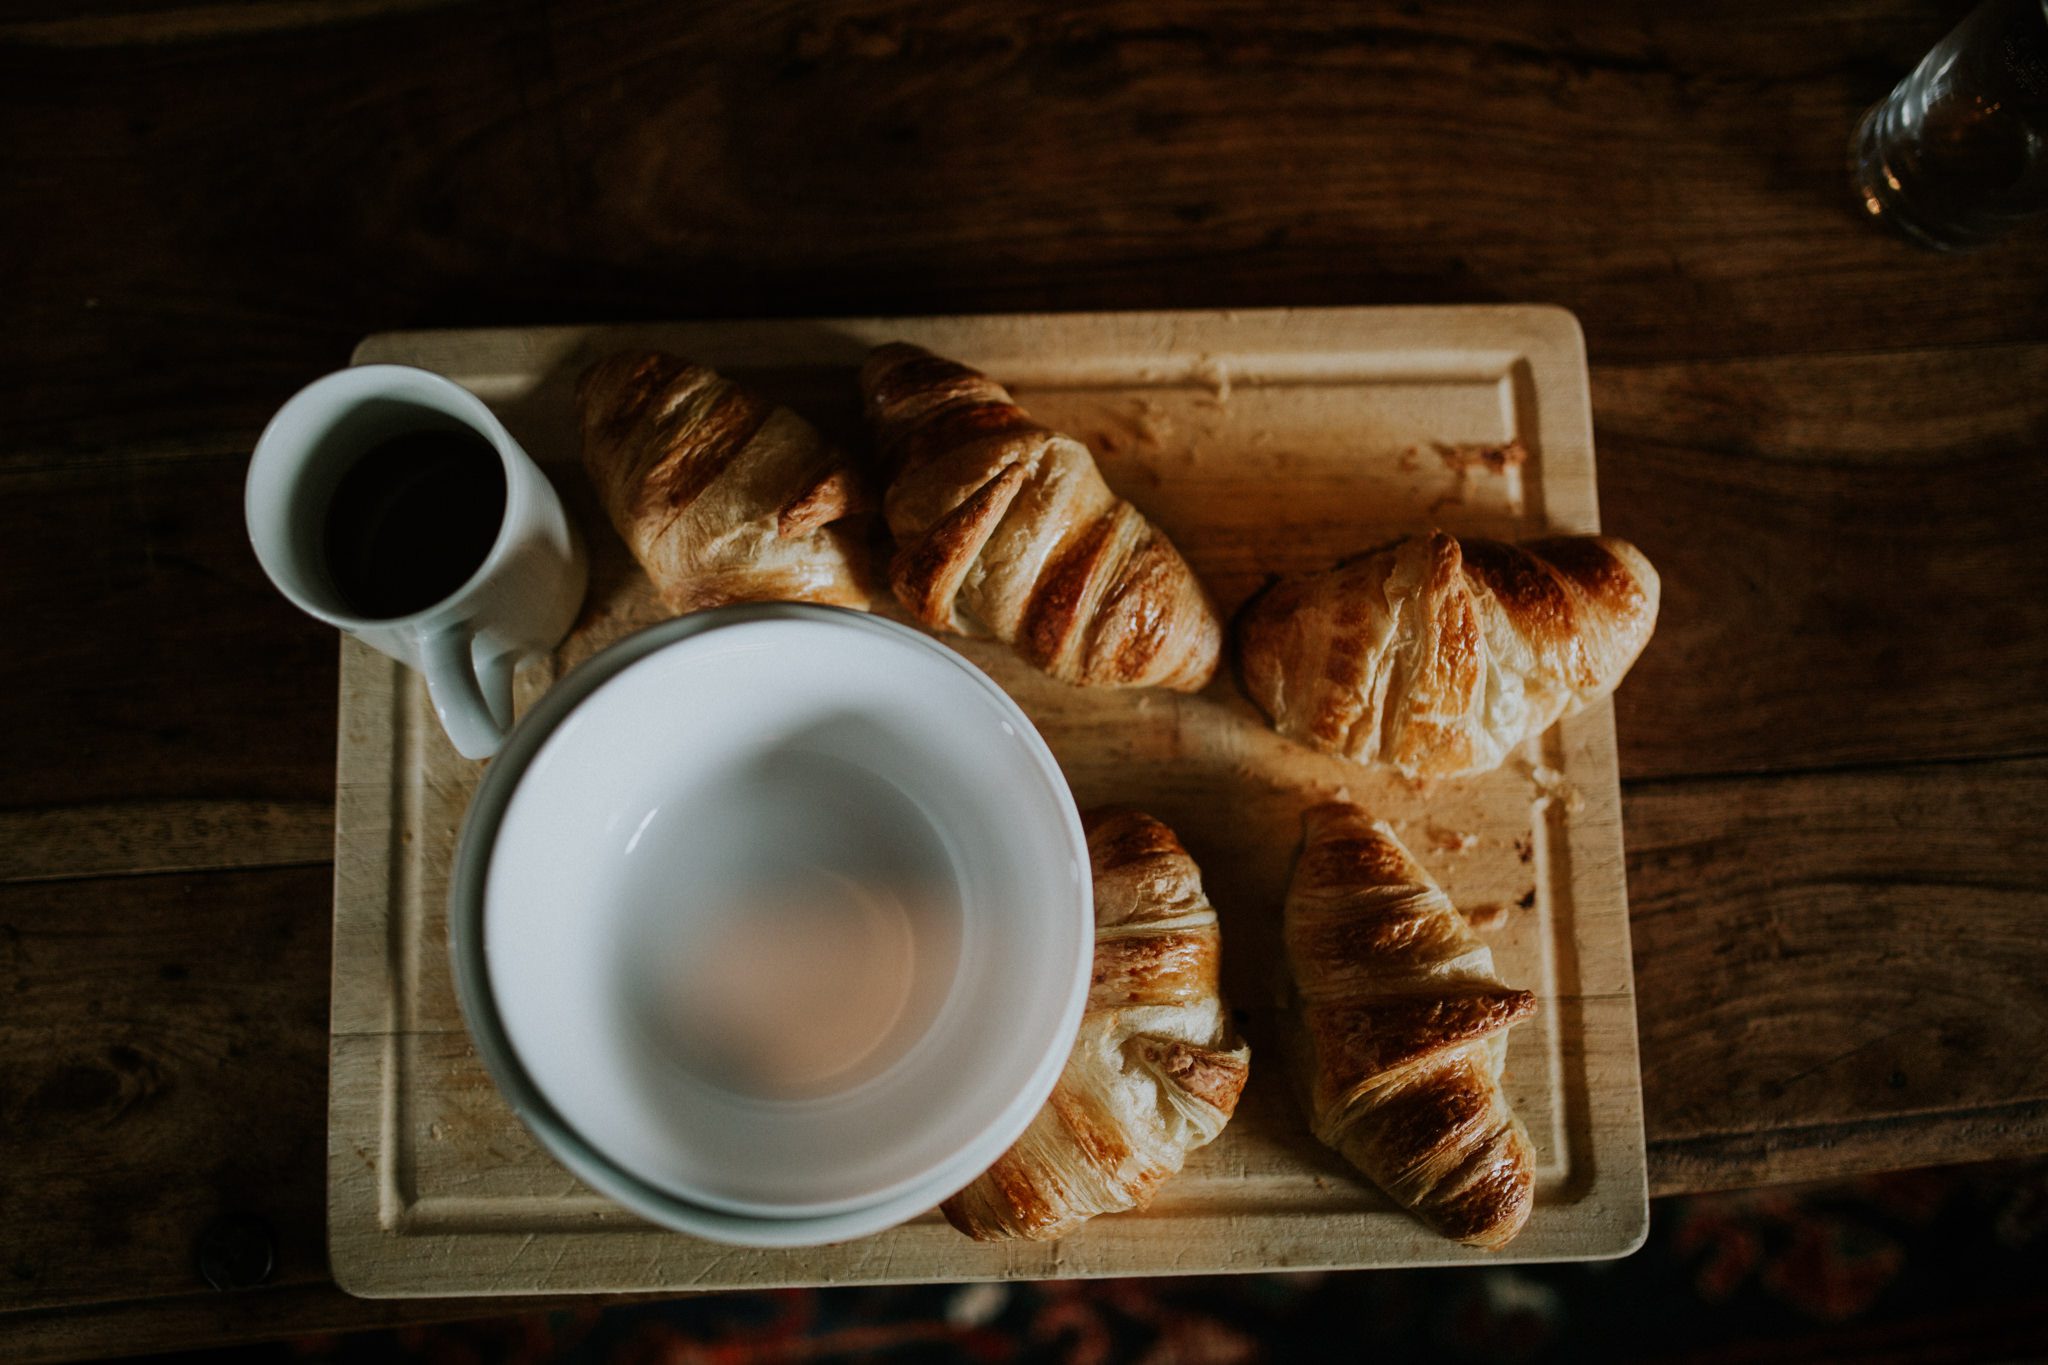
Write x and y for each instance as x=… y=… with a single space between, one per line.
x=1439 y=656
x=1006 y=528
x=1404 y=1031
x=721 y=495
x=1155 y=1071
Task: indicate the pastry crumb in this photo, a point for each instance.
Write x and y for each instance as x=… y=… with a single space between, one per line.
x=1153 y=424
x=1559 y=788
x=1498 y=459
x=1527 y=900
x=1491 y=915
x=1525 y=847
x=1214 y=373
x=1450 y=840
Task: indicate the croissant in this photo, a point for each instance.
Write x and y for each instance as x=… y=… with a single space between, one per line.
x=1440 y=656
x=1404 y=1030
x=1006 y=528
x=721 y=495
x=1155 y=1071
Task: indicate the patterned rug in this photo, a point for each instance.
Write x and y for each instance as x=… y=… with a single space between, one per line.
x=1928 y=1266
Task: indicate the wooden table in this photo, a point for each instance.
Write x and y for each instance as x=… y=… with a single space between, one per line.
x=1835 y=752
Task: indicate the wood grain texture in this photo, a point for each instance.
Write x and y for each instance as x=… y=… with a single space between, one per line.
x=210 y=1321
x=1857 y=958
x=164 y=667
x=1848 y=574
x=128 y=837
x=153 y=1078
x=218 y=202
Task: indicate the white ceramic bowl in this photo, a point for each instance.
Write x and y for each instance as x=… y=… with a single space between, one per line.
x=774 y=923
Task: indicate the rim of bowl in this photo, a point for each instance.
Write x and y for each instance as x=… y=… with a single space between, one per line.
x=842 y=1219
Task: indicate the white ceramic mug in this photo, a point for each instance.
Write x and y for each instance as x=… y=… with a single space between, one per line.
x=521 y=600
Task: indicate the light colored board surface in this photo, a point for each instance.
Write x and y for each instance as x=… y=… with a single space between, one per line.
x=1262 y=442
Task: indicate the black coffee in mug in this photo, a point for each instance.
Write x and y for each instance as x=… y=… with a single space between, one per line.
x=390 y=501
x=411 y=519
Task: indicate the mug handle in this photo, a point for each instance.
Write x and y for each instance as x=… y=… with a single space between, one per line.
x=475 y=708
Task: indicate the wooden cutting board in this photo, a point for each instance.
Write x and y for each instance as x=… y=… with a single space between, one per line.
x=1262 y=442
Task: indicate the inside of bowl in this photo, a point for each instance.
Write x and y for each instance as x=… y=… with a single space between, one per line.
x=779 y=918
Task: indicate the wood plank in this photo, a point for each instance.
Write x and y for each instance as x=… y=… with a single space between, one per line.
x=1851 y=551
x=213 y=1320
x=162 y=1063
x=125 y=23
x=1832 y=1151
x=122 y=837
x=1841 y=972
x=280 y=187
x=167 y=675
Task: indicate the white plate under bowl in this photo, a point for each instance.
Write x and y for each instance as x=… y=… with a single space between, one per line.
x=725 y=747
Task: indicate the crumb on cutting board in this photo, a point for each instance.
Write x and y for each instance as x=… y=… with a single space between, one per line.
x=1154 y=424
x=1214 y=373
x=1450 y=840
x=1498 y=458
x=1526 y=900
x=1525 y=847
x=1489 y=916
x=1555 y=786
